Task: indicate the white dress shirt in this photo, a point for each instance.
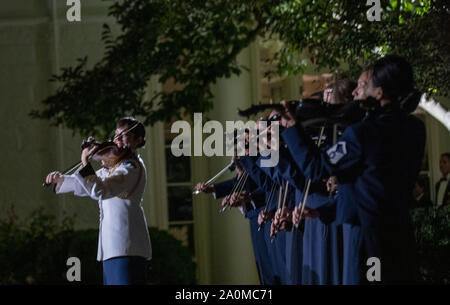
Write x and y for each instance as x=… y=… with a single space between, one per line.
x=123 y=228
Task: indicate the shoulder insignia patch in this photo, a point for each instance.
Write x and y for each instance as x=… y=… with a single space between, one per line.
x=130 y=163
x=337 y=152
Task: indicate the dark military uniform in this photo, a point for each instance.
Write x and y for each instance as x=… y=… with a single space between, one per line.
x=377 y=162
x=277 y=246
x=261 y=252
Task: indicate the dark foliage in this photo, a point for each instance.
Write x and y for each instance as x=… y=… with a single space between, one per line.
x=194 y=43
x=432 y=231
x=36 y=252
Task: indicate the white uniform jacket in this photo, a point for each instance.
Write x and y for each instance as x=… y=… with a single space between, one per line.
x=123 y=229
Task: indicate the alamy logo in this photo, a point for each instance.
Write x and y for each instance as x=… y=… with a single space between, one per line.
x=374 y=12
x=238 y=142
x=374 y=272
x=74 y=12
x=74 y=272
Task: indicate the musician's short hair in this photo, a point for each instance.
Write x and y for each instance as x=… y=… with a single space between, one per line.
x=138 y=129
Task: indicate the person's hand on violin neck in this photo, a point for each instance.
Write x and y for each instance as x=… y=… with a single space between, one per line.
x=288 y=115
x=242 y=147
x=86 y=153
x=269 y=140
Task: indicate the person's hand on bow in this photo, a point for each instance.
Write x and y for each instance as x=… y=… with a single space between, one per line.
x=54 y=178
x=87 y=151
x=307 y=213
x=204 y=188
x=285 y=220
x=264 y=216
x=288 y=115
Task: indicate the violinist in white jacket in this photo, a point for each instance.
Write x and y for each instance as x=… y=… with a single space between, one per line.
x=124 y=242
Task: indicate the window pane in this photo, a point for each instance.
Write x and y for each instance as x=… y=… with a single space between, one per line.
x=178 y=168
x=180 y=203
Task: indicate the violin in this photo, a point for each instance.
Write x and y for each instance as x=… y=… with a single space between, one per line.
x=303 y=108
x=107 y=153
x=317 y=112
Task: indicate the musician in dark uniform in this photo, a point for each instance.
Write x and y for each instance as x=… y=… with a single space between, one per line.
x=276 y=226
x=276 y=243
x=311 y=251
x=251 y=204
x=377 y=162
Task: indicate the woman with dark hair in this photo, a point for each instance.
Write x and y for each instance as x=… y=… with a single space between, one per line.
x=124 y=242
x=400 y=92
x=376 y=162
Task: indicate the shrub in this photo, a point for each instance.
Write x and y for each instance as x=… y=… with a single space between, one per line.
x=432 y=232
x=36 y=252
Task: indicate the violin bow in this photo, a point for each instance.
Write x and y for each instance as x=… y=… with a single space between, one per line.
x=281 y=206
x=308 y=183
x=268 y=201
